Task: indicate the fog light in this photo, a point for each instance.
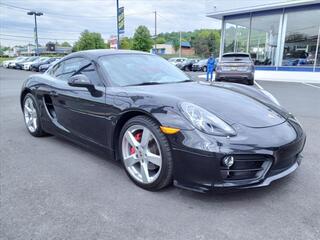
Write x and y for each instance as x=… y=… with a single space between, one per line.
x=228 y=161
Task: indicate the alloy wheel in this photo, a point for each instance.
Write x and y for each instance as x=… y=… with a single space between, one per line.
x=30 y=115
x=141 y=154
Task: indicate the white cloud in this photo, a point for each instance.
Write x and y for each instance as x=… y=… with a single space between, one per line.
x=65 y=19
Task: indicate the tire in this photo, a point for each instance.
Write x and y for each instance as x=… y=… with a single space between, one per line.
x=162 y=170
x=32 y=114
x=204 y=68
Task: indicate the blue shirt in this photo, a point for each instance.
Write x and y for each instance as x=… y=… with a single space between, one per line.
x=210 y=62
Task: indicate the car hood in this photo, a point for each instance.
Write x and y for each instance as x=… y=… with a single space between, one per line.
x=231 y=106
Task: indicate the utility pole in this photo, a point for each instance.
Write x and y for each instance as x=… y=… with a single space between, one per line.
x=36 y=28
x=155 y=32
x=180 y=45
x=118 y=37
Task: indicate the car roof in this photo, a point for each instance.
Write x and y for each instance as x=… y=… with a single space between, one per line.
x=96 y=53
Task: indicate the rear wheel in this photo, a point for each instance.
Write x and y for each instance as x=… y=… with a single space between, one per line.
x=32 y=116
x=204 y=68
x=145 y=153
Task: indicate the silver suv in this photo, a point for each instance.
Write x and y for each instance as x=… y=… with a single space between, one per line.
x=235 y=67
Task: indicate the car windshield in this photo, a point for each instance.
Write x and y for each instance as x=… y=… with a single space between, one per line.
x=32 y=59
x=236 y=58
x=42 y=59
x=140 y=69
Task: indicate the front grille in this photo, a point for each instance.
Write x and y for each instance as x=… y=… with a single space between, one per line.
x=246 y=167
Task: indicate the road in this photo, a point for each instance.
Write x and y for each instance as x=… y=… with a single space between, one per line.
x=53 y=189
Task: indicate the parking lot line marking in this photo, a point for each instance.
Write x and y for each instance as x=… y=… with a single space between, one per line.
x=311 y=85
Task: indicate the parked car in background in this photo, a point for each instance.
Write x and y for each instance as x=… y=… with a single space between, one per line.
x=12 y=63
x=45 y=67
x=187 y=64
x=6 y=63
x=27 y=65
x=297 y=58
x=20 y=65
x=175 y=61
x=200 y=65
x=235 y=67
x=36 y=66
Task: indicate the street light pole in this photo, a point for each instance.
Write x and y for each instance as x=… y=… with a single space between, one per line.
x=118 y=37
x=36 y=28
x=155 y=32
x=180 y=45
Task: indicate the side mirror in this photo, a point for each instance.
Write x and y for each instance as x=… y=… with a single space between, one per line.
x=81 y=80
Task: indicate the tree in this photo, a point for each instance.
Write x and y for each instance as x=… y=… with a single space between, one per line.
x=65 y=44
x=142 y=39
x=89 y=40
x=160 y=40
x=126 y=43
x=206 y=42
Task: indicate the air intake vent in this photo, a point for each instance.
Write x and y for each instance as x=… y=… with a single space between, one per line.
x=246 y=167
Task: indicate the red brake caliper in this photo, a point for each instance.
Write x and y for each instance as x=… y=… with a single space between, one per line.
x=137 y=136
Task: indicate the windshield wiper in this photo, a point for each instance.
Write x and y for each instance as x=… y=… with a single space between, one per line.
x=157 y=83
x=145 y=83
x=187 y=80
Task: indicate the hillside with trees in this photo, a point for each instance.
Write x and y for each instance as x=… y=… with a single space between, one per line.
x=204 y=41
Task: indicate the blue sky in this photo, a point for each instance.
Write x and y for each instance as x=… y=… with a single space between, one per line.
x=63 y=20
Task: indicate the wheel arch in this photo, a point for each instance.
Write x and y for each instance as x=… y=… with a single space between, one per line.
x=24 y=92
x=126 y=116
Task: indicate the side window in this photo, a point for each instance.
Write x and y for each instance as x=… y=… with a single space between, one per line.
x=88 y=69
x=68 y=68
x=56 y=69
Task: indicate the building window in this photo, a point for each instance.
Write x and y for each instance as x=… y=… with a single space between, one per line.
x=264 y=38
x=301 y=37
x=236 y=33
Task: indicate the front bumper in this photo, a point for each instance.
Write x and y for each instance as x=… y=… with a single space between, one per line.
x=26 y=67
x=18 y=66
x=202 y=171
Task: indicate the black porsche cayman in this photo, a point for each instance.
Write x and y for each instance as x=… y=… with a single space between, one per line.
x=164 y=127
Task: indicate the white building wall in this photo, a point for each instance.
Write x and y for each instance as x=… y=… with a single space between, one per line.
x=219 y=8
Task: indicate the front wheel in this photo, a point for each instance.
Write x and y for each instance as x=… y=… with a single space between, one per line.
x=32 y=116
x=145 y=153
x=204 y=68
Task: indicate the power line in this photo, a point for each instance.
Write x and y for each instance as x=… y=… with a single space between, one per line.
x=71 y=16
x=29 y=30
x=16 y=40
x=47 y=38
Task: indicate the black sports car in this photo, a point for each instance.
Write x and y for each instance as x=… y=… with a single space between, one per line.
x=164 y=127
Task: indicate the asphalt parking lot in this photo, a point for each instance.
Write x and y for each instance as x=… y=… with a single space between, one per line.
x=53 y=189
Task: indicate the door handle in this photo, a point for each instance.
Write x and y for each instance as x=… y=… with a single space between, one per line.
x=54 y=94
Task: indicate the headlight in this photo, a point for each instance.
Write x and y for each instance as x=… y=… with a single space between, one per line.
x=206 y=121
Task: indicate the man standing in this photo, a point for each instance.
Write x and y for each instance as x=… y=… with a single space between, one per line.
x=210 y=67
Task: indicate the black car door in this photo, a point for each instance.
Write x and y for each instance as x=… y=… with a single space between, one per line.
x=79 y=111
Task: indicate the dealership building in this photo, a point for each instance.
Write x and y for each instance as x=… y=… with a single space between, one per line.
x=279 y=34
